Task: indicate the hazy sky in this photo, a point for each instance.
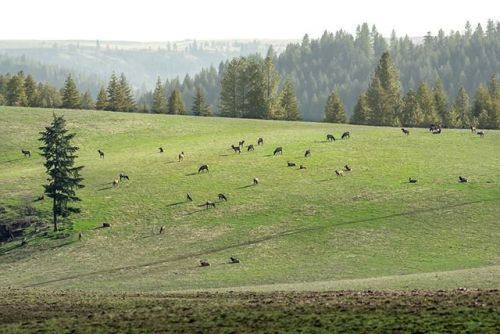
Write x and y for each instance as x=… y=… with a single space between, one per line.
x=161 y=20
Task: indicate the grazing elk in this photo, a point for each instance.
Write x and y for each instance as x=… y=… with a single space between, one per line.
x=480 y=133
x=241 y=143
x=278 y=150
x=106 y=225
x=188 y=197
x=116 y=182
x=255 y=181
x=250 y=148
x=405 y=131
x=291 y=164
x=339 y=173
x=302 y=167
x=162 y=228
x=260 y=141
x=160 y=149
x=26 y=153
x=181 y=156
x=233 y=259
x=80 y=236
x=330 y=137
x=347 y=168
x=412 y=180
x=204 y=263
x=462 y=179
x=101 y=154
x=307 y=153
x=437 y=131
x=124 y=177
x=209 y=204
x=473 y=129
x=346 y=135
x=236 y=149
x=222 y=197
x=203 y=168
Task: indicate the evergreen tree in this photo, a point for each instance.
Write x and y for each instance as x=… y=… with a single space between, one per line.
x=289 y=102
x=255 y=102
x=86 y=101
x=440 y=101
x=200 y=106
x=427 y=105
x=229 y=104
x=70 y=95
x=384 y=93
x=412 y=114
x=160 y=105
x=462 y=108
x=102 y=100
x=176 y=104
x=271 y=82
x=31 y=91
x=16 y=96
x=63 y=177
x=128 y=103
x=334 y=110
x=494 y=110
x=361 y=113
x=115 y=94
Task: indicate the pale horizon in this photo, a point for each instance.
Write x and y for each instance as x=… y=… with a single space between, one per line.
x=150 y=21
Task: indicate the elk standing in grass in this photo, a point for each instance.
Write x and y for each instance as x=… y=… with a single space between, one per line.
x=26 y=153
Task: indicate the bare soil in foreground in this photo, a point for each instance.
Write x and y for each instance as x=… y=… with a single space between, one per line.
x=456 y=311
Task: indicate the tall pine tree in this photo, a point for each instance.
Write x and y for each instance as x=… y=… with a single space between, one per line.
x=63 y=177
x=361 y=113
x=70 y=95
x=102 y=100
x=200 y=106
x=289 y=102
x=334 y=110
x=175 y=103
x=160 y=105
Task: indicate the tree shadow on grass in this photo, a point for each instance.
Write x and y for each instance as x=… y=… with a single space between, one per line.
x=105 y=188
x=176 y=203
x=247 y=186
x=12 y=160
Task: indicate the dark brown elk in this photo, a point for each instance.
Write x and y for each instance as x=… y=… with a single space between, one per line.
x=307 y=153
x=233 y=260
x=204 y=263
x=188 y=197
x=160 y=149
x=480 y=133
x=346 y=135
x=339 y=173
x=203 y=168
x=181 y=156
x=291 y=164
x=101 y=154
x=347 y=168
x=473 y=129
x=250 y=148
x=209 y=204
x=330 y=137
x=116 y=182
x=260 y=141
x=255 y=181
x=412 y=180
x=278 y=150
x=405 y=131
x=26 y=153
x=236 y=149
x=222 y=197
x=462 y=179
x=124 y=177
x=241 y=143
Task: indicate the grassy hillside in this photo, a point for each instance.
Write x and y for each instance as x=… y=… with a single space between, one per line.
x=300 y=227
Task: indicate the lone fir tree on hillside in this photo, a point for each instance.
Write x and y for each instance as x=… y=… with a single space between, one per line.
x=71 y=96
x=63 y=177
